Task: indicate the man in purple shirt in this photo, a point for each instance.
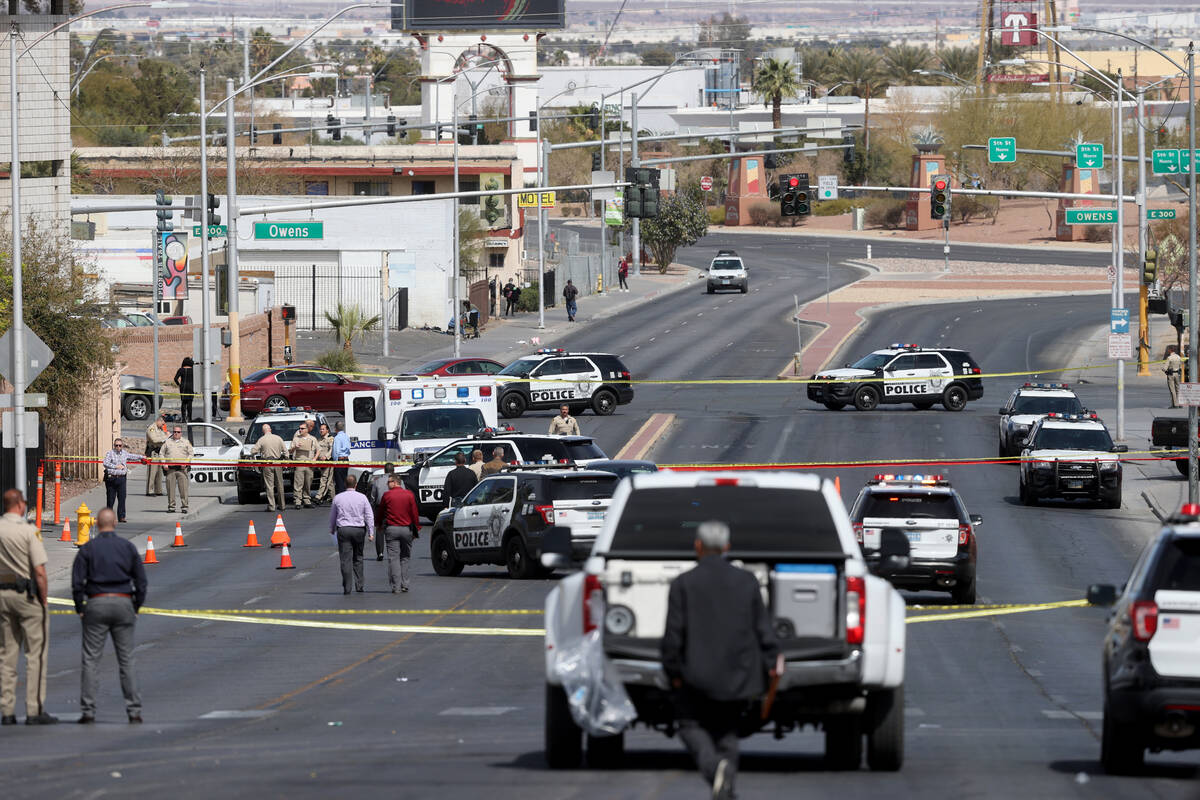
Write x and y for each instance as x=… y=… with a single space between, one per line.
x=352 y=521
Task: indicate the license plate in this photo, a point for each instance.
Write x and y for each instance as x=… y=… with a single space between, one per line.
x=595 y=515
x=1074 y=484
x=914 y=536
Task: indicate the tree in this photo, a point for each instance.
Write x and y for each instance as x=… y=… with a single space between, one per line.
x=682 y=220
x=902 y=61
x=774 y=81
x=349 y=323
x=816 y=64
x=960 y=62
x=862 y=73
x=471 y=232
x=658 y=57
x=724 y=31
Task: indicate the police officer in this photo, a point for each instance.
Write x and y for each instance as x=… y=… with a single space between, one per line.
x=24 y=619
x=1173 y=369
x=156 y=436
x=564 y=424
x=108 y=583
x=325 y=453
x=176 y=453
x=304 y=448
x=270 y=446
x=496 y=464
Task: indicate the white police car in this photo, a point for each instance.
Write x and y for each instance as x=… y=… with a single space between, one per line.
x=553 y=377
x=1026 y=405
x=1071 y=456
x=901 y=373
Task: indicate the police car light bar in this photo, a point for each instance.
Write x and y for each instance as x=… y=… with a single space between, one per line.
x=927 y=480
x=1044 y=386
x=1073 y=417
x=545 y=351
x=898 y=346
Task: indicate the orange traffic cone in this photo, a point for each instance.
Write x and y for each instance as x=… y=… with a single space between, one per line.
x=279 y=537
x=285 y=559
x=251 y=537
x=66 y=533
x=150 y=558
x=179 y=542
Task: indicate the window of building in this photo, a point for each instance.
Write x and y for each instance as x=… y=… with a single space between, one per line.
x=316 y=187
x=495 y=260
x=468 y=185
x=372 y=188
x=424 y=187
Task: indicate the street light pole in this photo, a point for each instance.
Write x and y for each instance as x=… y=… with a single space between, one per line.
x=1143 y=356
x=635 y=162
x=231 y=256
x=457 y=314
x=1119 y=168
x=205 y=311
x=1193 y=323
x=18 y=302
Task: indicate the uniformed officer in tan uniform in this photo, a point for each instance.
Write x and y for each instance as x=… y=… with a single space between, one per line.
x=564 y=424
x=270 y=447
x=176 y=453
x=325 y=453
x=1173 y=370
x=156 y=437
x=304 y=448
x=24 y=619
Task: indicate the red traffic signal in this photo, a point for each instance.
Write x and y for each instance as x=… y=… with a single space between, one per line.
x=940 y=185
x=793 y=182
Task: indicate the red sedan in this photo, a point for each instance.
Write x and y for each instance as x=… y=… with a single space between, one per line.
x=279 y=388
x=460 y=366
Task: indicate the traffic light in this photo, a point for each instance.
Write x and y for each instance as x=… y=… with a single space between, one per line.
x=253 y=134
x=594 y=119
x=1150 y=267
x=214 y=203
x=164 y=212
x=276 y=136
x=939 y=206
x=330 y=120
x=337 y=129
x=641 y=196
x=595 y=162
x=391 y=125
x=789 y=186
x=848 y=152
x=803 y=195
x=533 y=119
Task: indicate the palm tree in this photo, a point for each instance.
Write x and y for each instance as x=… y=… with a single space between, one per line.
x=960 y=62
x=902 y=62
x=861 y=71
x=350 y=322
x=816 y=63
x=774 y=81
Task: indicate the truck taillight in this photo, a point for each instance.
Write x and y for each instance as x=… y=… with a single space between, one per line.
x=485 y=391
x=964 y=535
x=547 y=513
x=593 y=603
x=856 y=610
x=1145 y=620
x=858 y=532
x=395 y=394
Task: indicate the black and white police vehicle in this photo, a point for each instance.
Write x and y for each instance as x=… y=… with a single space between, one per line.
x=901 y=373
x=501 y=520
x=727 y=271
x=284 y=423
x=552 y=377
x=1071 y=456
x=427 y=476
x=1026 y=405
x=941 y=534
x=1151 y=655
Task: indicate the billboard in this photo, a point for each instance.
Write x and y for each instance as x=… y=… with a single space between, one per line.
x=447 y=15
x=170 y=257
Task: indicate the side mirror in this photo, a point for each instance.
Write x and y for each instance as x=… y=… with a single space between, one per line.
x=241 y=431
x=1024 y=442
x=228 y=441
x=421 y=459
x=1102 y=594
x=1120 y=448
x=1003 y=410
x=847 y=364
x=341 y=380
x=893 y=551
x=381 y=434
x=556 y=547
x=976 y=519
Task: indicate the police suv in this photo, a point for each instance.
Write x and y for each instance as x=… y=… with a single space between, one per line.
x=551 y=377
x=1026 y=405
x=1071 y=456
x=502 y=519
x=1151 y=652
x=427 y=477
x=727 y=271
x=284 y=423
x=941 y=534
x=901 y=373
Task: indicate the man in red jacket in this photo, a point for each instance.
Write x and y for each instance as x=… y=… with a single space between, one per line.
x=397 y=516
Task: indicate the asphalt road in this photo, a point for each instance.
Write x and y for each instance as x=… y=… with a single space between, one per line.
x=999 y=707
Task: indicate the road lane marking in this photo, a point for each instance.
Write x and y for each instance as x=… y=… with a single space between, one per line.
x=477 y=711
x=236 y=714
x=1059 y=713
x=992 y=612
x=646 y=437
x=362 y=626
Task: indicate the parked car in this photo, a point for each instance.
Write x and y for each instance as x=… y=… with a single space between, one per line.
x=141 y=319
x=137 y=397
x=280 y=388
x=460 y=366
x=176 y=320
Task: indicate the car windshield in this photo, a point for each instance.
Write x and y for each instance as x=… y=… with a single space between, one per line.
x=726 y=263
x=580 y=449
x=623 y=470
x=760 y=520
x=591 y=487
x=286 y=429
x=431 y=366
x=1035 y=404
x=1072 y=439
x=521 y=367
x=910 y=505
x=873 y=361
x=441 y=423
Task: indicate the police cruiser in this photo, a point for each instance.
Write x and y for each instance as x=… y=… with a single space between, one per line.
x=551 y=377
x=284 y=423
x=901 y=373
x=941 y=534
x=1071 y=456
x=1026 y=405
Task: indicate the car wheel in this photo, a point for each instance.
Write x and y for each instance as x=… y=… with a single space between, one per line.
x=711 y=290
x=885 y=740
x=843 y=742
x=605 y=752
x=442 y=555
x=276 y=402
x=247 y=496
x=745 y=287
x=563 y=738
x=1001 y=450
x=136 y=407
x=516 y=558
x=1182 y=466
x=833 y=405
x=1112 y=500
x=1121 y=751
x=513 y=405
x=923 y=405
x=954 y=398
x=1027 y=496
x=963 y=594
x=866 y=398
x=604 y=403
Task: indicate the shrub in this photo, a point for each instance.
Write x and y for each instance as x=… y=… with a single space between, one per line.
x=1098 y=233
x=885 y=213
x=566 y=211
x=833 y=208
x=338 y=360
x=716 y=215
x=529 y=297
x=761 y=213
x=577 y=211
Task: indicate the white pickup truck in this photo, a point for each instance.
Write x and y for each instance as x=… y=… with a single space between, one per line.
x=841 y=629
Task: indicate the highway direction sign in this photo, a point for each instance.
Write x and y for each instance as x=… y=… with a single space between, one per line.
x=827 y=187
x=1166 y=162
x=1091 y=216
x=1118 y=320
x=1185 y=161
x=1002 y=150
x=1160 y=213
x=289 y=230
x=1089 y=155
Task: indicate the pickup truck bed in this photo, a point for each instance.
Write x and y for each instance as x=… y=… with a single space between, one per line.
x=1171 y=433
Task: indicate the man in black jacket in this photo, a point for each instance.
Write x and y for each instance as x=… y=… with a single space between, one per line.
x=716 y=649
x=459 y=481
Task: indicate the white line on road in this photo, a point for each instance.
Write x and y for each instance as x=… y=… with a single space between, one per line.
x=301 y=575
x=255 y=599
x=1058 y=713
x=477 y=711
x=236 y=714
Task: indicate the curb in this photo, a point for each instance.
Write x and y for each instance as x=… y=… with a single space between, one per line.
x=871 y=237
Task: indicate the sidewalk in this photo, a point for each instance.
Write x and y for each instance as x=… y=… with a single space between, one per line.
x=502 y=338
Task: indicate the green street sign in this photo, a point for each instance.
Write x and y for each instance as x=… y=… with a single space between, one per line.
x=1002 y=150
x=1166 y=162
x=214 y=231
x=1089 y=155
x=1091 y=216
x=1160 y=213
x=1185 y=161
x=289 y=230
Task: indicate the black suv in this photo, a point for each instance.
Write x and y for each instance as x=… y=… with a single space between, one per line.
x=551 y=377
x=501 y=520
x=901 y=373
x=1151 y=659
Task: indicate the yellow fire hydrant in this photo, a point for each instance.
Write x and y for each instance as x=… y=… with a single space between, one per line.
x=83 y=524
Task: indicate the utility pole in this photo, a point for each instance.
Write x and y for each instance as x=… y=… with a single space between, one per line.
x=1119 y=238
x=1143 y=319
x=635 y=162
x=457 y=313
x=231 y=258
x=20 y=477
x=1193 y=330
x=205 y=310
x=603 y=226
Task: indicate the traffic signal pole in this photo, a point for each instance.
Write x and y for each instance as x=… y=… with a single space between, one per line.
x=1119 y=238
x=1193 y=329
x=205 y=309
x=635 y=162
x=1143 y=317
x=231 y=259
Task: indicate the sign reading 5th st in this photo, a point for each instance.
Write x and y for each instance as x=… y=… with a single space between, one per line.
x=289 y=230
